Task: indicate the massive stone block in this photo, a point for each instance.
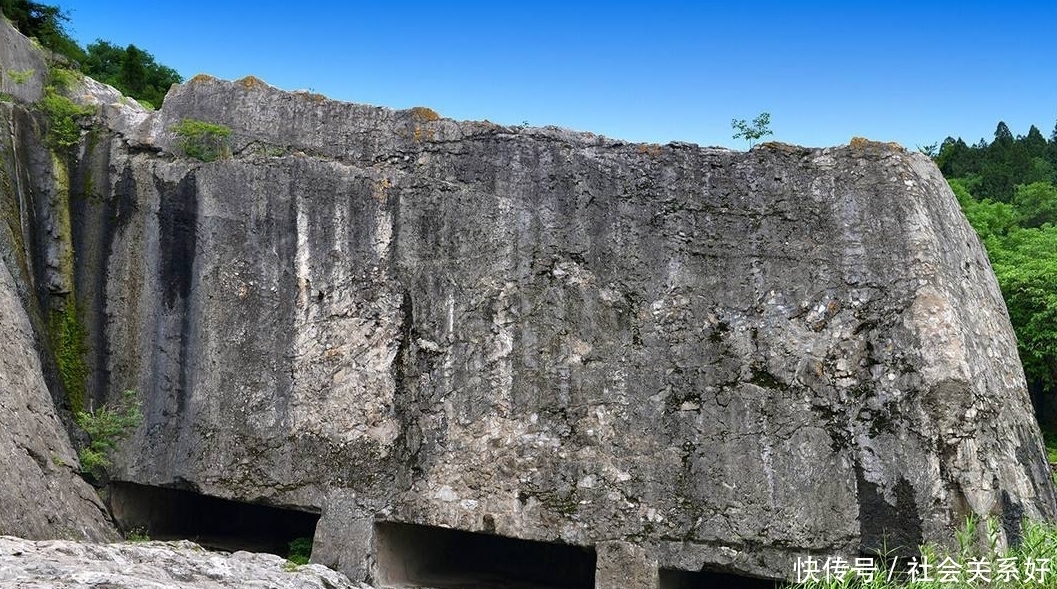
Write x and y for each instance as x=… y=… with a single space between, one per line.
x=675 y=358
x=724 y=359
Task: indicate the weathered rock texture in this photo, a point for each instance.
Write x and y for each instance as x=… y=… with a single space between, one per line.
x=684 y=357
x=59 y=564
x=42 y=495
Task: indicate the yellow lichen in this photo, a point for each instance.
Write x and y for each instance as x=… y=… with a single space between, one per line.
x=862 y=142
x=779 y=146
x=251 y=82
x=421 y=134
x=424 y=114
x=379 y=188
x=650 y=149
x=783 y=147
x=202 y=78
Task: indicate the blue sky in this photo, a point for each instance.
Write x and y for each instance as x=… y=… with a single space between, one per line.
x=905 y=71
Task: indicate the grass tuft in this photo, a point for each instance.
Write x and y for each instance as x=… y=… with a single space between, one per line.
x=1031 y=564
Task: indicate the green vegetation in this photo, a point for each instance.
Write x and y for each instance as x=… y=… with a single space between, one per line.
x=137 y=535
x=1007 y=190
x=64 y=131
x=106 y=426
x=300 y=551
x=759 y=127
x=201 y=140
x=131 y=70
x=1026 y=565
x=68 y=342
x=20 y=76
x=62 y=79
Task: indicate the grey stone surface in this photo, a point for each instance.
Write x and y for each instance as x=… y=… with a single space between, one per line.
x=622 y=565
x=22 y=65
x=42 y=495
x=724 y=360
x=731 y=358
x=60 y=564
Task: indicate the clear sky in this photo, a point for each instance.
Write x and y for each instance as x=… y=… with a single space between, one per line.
x=907 y=71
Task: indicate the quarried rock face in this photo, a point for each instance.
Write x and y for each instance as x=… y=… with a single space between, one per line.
x=724 y=359
x=43 y=495
x=434 y=333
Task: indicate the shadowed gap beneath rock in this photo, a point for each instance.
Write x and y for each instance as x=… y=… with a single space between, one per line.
x=675 y=579
x=220 y=524
x=411 y=555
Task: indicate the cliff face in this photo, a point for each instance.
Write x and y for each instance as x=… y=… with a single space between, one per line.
x=42 y=496
x=681 y=357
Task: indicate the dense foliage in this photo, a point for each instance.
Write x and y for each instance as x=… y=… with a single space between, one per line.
x=1007 y=190
x=130 y=69
x=63 y=129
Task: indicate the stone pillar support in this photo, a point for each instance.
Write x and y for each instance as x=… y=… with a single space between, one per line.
x=621 y=565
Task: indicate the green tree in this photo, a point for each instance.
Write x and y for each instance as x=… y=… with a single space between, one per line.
x=1007 y=190
x=956 y=159
x=106 y=426
x=989 y=218
x=134 y=71
x=1035 y=143
x=131 y=70
x=1026 y=267
x=1036 y=205
x=103 y=61
x=759 y=127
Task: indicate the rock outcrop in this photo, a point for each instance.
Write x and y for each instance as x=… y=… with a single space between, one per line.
x=43 y=495
x=60 y=564
x=675 y=358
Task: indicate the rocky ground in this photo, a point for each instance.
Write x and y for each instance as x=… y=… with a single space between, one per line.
x=62 y=564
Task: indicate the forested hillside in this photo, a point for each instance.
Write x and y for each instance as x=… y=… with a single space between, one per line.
x=1007 y=189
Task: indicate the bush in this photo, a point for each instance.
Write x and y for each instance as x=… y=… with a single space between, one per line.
x=201 y=140
x=300 y=551
x=63 y=128
x=106 y=427
x=62 y=79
